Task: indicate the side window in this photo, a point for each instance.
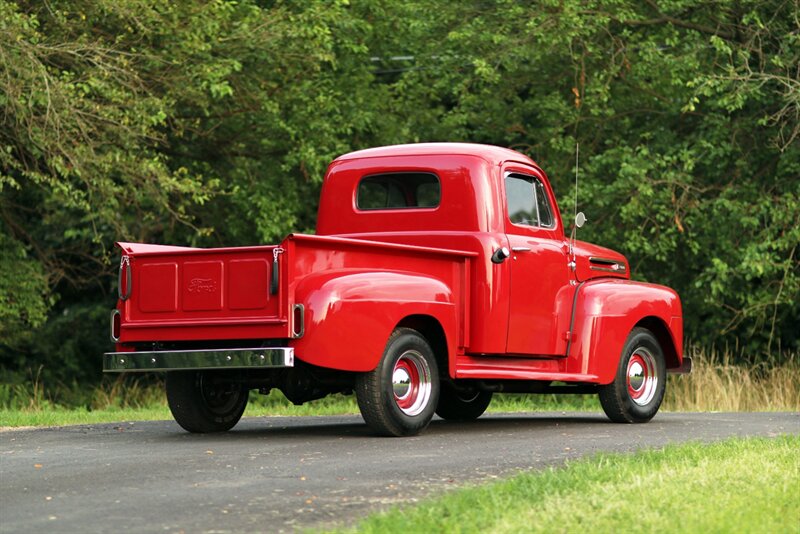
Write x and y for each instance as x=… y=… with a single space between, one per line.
x=521 y=200
x=527 y=201
x=398 y=190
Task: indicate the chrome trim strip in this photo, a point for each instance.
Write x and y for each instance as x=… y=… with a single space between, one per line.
x=606 y=265
x=178 y=360
x=114 y=339
x=620 y=269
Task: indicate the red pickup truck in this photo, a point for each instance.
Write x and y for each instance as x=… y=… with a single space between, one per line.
x=439 y=274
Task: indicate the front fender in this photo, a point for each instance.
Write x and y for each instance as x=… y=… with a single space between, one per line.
x=350 y=314
x=605 y=313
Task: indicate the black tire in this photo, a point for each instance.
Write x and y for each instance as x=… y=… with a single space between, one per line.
x=399 y=396
x=457 y=405
x=203 y=402
x=638 y=387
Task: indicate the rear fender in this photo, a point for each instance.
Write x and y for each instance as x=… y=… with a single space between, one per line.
x=350 y=314
x=605 y=313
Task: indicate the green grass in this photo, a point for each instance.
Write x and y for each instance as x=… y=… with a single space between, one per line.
x=739 y=485
x=59 y=416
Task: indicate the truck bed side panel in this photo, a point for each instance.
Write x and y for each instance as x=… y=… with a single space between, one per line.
x=355 y=293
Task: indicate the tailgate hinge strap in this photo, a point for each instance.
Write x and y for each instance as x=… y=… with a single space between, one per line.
x=124 y=265
x=273 y=286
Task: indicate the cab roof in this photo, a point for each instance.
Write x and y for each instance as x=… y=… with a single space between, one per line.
x=490 y=153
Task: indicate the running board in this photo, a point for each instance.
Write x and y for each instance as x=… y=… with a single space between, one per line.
x=503 y=368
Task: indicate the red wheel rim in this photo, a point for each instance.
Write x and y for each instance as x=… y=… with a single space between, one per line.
x=642 y=377
x=411 y=383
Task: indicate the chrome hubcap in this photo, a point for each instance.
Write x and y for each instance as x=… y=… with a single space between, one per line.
x=401 y=383
x=636 y=376
x=411 y=383
x=642 y=377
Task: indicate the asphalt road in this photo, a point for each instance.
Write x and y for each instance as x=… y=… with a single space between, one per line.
x=282 y=473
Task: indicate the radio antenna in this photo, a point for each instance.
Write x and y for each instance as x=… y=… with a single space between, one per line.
x=579 y=218
x=577 y=152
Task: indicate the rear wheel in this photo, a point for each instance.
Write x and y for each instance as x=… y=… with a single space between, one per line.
x=455 y=405
x=205 y=402
x=399 y=396
x=640 y=382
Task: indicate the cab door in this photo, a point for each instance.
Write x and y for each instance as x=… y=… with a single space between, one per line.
x=542 y=283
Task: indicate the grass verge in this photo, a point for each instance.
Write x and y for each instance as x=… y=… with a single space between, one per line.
x=716 y=383
x=739 y=485
x=60 y=416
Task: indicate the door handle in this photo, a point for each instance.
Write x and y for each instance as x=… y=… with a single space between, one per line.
x=521 y=249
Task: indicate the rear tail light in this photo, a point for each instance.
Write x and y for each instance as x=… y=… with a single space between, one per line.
x=116 y=326
x=298 y=321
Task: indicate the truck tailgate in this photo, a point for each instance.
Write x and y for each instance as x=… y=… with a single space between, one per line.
x=177 y=293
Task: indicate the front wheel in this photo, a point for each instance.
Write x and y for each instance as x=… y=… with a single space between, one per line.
x=202 y=401
x=399 y=396
x=638 y=387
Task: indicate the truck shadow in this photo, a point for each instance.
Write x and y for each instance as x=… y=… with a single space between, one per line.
x=352 y=427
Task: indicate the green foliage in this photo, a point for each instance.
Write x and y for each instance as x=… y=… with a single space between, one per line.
x=23 y=292
x=211 y=123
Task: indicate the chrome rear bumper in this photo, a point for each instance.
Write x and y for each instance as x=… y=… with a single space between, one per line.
x=181 y=360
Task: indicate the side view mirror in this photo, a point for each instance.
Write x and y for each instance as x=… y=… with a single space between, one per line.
x=580 y=220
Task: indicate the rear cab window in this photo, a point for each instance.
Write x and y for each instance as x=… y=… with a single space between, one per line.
x=398 y=190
